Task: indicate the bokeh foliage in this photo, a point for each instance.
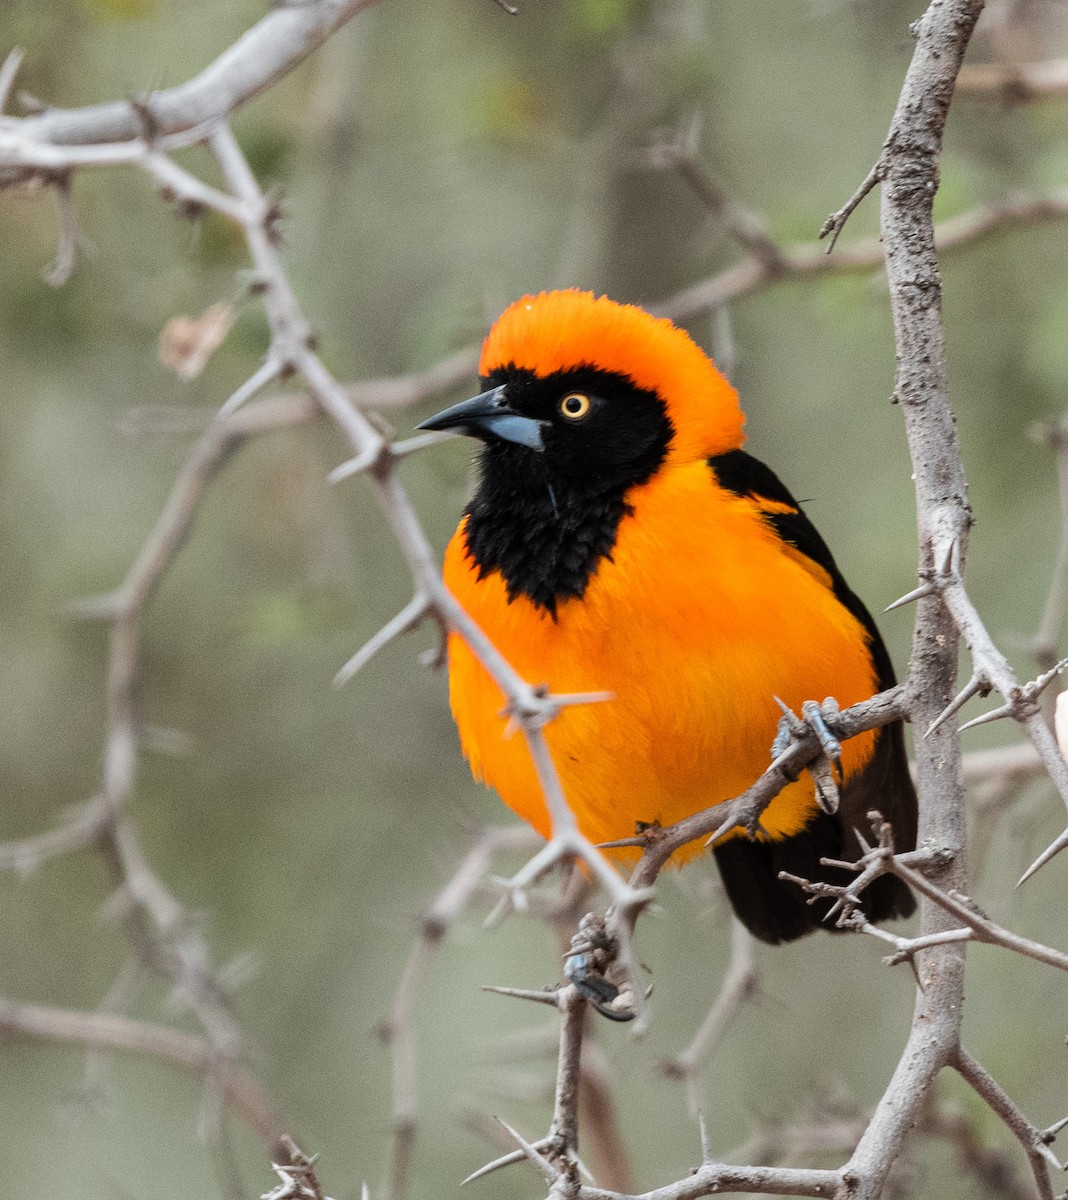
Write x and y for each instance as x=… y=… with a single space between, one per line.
x=437 y=160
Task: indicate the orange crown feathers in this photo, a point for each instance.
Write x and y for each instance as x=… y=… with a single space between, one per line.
x=556 y=331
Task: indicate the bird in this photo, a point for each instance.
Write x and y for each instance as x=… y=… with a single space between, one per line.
x=620 y=540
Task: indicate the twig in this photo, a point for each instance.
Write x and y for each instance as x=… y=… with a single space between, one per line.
x=1047 y=636
x=979 y=926
x=1034 y=1141
x=910 y=172
x=243 y=1094
x=861 y=256
x=267 y=52
x=836 y=222
x=679 y=153
x=400 y=1031
x=297 y=1176
x=79 y=832
x=606 y=1147
x=712 y=1179
x=992 y=1169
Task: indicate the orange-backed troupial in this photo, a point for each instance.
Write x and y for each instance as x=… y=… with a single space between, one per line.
x=621 y=540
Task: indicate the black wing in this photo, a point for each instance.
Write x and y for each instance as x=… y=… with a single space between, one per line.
x=772 y=909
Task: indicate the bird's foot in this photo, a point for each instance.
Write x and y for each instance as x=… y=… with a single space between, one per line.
x=826 y=770
x=588 y=965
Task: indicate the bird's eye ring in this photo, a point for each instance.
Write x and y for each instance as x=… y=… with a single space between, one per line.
x=575 y=405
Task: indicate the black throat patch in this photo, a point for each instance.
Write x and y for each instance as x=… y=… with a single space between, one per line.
x=545 y=520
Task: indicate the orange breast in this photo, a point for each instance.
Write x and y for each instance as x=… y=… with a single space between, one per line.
x=698 y=621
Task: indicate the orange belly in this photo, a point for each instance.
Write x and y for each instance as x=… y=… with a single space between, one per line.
x=701 y=617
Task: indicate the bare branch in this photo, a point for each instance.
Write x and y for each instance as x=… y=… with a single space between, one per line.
x=992 y=1169
x=100 y=1030
x=679 y=153
x=711 y=1179
x=81 y=831
x=861 y=256
x=1034 y=1141
x=909 y=162
x=263 y=55
x=1047 y=636
x=410 y=617
x=745 y=809
x=399 y=1031
x=836 y=222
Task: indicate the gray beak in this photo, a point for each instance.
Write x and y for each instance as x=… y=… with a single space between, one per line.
x=488 y=416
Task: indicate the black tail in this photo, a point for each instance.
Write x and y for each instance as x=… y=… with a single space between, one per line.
x=776 y=911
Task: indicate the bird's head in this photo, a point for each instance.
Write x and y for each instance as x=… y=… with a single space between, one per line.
x=587 y=390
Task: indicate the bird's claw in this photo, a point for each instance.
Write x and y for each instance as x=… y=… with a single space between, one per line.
x=813 y=720
x=816 y=717
x=826 y=770
x=592 y=951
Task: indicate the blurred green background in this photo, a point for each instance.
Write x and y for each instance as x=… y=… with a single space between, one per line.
x=437 y=160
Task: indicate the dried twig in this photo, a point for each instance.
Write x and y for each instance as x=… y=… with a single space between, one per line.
x=100 y=1030
x=1034 y=1141
x=399 y=1030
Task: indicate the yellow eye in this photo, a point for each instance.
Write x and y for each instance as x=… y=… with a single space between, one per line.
x=575 y=405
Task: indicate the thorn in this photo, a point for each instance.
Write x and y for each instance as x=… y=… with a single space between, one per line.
x=548 y=1172
x=1051 y=851
x=422 y=440
x=502 y=909
x=1048 y=1155
x=920 y=593
x=862 y=841
x=506 y=1160
x=729 y=824
x=640 y=841
x=793 y=722
x=550 y=998
x=949 y=567
x=31 y=104
x=362 y=462
x=1050 y=1133
x=975 y=686
x=995 y=714
x=706 y=1142
x=577 y=698
x=914 y=968
x=411 y=615
x=267 y=373
x=7 y=76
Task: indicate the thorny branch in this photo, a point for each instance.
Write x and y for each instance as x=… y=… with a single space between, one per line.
x=53 y=144
x=242 y=1092
x=399 y=1029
